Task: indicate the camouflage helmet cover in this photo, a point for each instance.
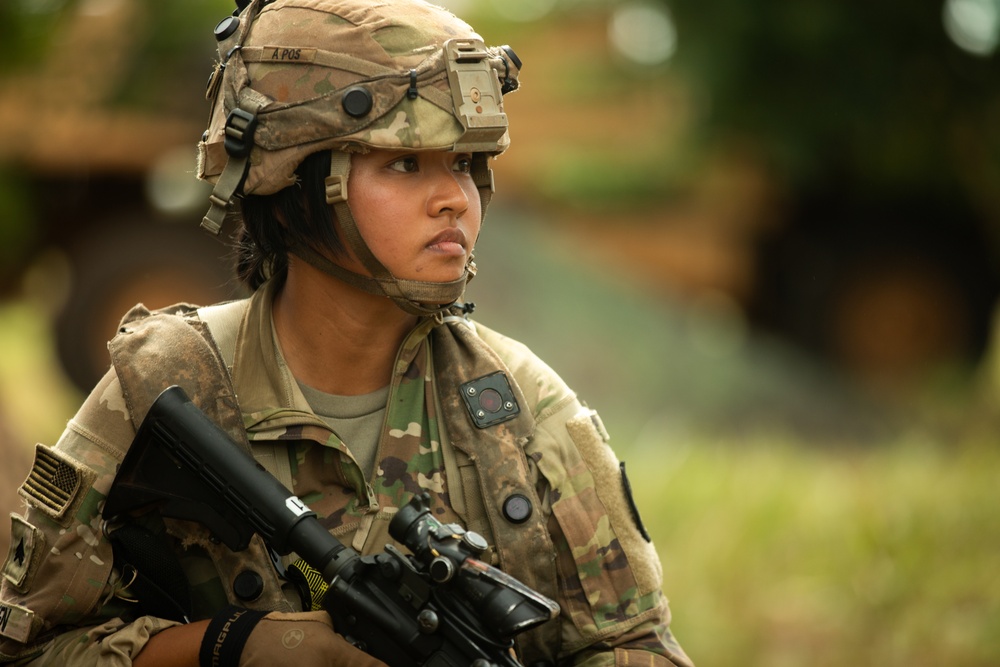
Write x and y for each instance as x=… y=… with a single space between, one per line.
x=300 y=76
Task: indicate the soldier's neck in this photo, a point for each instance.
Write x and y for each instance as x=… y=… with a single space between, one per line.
x=334 y=337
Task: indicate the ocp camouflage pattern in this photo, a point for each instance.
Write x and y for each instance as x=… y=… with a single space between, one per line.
x=607 y=587
x=393 y=52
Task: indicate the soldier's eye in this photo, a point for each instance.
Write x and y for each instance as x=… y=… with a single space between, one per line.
x=463 y=164
x=406 y=164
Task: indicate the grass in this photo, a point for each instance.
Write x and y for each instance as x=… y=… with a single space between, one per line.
x=779 y=554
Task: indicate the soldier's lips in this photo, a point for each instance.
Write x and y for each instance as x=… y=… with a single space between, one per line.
x=450 y=242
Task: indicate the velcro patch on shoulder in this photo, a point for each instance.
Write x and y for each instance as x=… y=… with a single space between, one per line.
x=15 y=622
x=53 y=483
x=587 y=431
x=25 y=549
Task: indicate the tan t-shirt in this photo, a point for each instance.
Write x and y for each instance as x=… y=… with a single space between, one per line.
x=357 y=420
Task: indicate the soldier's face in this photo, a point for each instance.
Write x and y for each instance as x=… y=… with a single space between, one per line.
x=418 y=212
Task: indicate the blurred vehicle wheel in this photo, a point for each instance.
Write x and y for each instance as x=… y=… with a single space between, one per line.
x=127 y=262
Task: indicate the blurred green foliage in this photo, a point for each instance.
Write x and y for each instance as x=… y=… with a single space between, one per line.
x=778 y=555
x=180 y=50
x=25 y=29
x=36 y=398
x=871 y=96
x=875 y=93
x=171 y=62
x=15 y=239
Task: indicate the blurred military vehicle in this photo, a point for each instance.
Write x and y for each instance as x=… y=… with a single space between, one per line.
x=100 y=112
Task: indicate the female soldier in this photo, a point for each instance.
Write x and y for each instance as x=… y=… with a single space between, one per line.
x=352 y=139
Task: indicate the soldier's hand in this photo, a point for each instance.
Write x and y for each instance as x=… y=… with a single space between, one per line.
x=244 y=638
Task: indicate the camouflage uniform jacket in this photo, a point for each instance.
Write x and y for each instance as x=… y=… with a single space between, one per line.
x=63 y=602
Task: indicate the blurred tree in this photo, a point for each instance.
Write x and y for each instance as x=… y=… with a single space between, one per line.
x=25 y=29
x=874 y=93
x=881 y=132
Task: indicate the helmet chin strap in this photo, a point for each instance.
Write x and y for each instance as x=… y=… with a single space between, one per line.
x=412 y=296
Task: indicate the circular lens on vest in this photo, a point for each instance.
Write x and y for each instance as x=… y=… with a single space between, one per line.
x=517 y=508
x=490 y=400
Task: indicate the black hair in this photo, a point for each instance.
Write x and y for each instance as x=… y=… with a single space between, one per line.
x=273 y=225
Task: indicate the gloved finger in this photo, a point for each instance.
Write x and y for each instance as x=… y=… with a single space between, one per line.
x=302 y=639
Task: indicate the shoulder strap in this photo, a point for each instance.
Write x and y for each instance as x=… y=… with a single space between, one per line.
x=154 y=350
x=172 y=346
x=523 y=543
x=224 y=321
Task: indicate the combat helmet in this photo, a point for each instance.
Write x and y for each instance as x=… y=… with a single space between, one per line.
x=295 y=77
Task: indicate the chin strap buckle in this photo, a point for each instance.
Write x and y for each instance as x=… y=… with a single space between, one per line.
x=336 y=182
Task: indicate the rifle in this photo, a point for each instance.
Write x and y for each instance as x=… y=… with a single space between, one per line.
x=438 y=606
